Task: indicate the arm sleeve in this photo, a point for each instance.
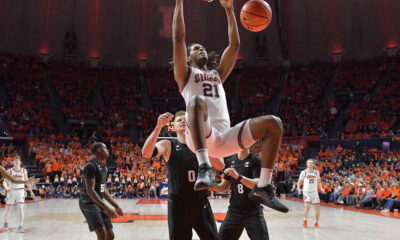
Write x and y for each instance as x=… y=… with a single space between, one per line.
x=89 y=171
x=256 y=168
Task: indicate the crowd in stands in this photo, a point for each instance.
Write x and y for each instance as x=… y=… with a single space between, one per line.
x=376 y=117
x=359 y=75
x=25 y=108
x=302 y=110
x=360 y=177
x=63 y=162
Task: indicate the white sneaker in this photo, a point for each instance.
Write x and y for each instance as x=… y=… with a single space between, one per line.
x=5 y=227
x=385 y=210
x=20 y=229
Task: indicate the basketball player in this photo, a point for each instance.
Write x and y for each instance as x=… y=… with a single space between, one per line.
x=310 y=178
x=98 y=215
x=241 y=175
x=187 y=209
x=15 y=193
x=209 y=134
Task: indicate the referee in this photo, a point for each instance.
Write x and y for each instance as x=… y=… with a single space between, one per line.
x=241 y=174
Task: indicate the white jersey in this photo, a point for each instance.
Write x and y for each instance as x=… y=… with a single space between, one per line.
x=208 y=83
x=19 y=176
x=310 y=180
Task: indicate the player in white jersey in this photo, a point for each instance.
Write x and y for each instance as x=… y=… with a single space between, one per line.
x=311 y=180
x=16 y=193
x=200 y=77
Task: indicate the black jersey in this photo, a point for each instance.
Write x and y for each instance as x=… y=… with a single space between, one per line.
x=182 y=173
x=97 y=170
x=249 y=167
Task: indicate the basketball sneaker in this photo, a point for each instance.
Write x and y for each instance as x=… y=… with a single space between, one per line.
x=5 y=227
x=316 y=225
x=20 y=229
x=205 y=178
x=305 y=224
x=266 y=196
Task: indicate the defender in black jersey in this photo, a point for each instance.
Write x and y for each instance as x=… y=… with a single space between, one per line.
x=187 y=209
x=241 y=175
x=98 y=215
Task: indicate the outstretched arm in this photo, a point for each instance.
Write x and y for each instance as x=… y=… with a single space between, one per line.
x=230 y=54
x=178 y=38
x=8 y=176
x=164 y=146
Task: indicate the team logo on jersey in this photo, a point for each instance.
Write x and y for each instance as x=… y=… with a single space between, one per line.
x=178 y=148
x=246 y=164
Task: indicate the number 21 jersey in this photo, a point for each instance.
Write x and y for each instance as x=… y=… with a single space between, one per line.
x=208 y=83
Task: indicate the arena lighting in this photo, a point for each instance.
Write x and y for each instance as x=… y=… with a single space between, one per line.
x=337 y=56
x=94 y=61
x=142 y=62
x=44 y=55
x=391 y=50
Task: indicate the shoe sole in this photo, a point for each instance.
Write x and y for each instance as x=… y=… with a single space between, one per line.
x=202 y=186
x=260 y=201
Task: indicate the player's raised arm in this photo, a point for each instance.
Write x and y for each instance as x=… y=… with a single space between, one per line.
x=152 y=148
x=230 y=54
x=179 y=45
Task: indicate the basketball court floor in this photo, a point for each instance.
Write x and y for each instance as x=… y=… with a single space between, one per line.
x=146 y=219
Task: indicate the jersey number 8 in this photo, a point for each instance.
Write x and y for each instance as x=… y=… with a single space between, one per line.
x=240 y=188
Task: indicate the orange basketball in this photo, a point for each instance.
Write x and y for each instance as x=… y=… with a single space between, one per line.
x=256 y=15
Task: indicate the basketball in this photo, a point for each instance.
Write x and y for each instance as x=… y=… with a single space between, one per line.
x=256 y=15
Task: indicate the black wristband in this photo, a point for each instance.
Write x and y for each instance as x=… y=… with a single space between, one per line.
x=240 y=177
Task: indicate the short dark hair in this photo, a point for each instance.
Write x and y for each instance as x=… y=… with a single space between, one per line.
x=178 y=114
x=96 y=145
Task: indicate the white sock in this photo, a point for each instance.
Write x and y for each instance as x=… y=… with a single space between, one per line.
x=265 y=177
x=202 y=156
x=7 y=213
x=305 y=219
x=21 y=214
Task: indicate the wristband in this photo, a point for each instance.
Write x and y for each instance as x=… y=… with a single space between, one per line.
x=240 y=177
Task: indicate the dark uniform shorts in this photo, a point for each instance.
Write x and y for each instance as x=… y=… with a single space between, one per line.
x=95 y=215
x=236 y=221
x=185 y=216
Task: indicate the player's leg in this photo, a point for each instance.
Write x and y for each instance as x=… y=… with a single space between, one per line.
x=110 y=234
x=306 y=210
x=179 y=221
x=20 y=198
x=10 y=202
x=204 y=221
x=232 y=227
x=256 y=227
x=269 y=129
x=108 y=225
x=199 y=131
x=6 y=216
x=317 y=213
x=20 y=208
x=101 y=233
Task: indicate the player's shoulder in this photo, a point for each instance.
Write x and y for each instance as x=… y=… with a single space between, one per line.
x=228 y=160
